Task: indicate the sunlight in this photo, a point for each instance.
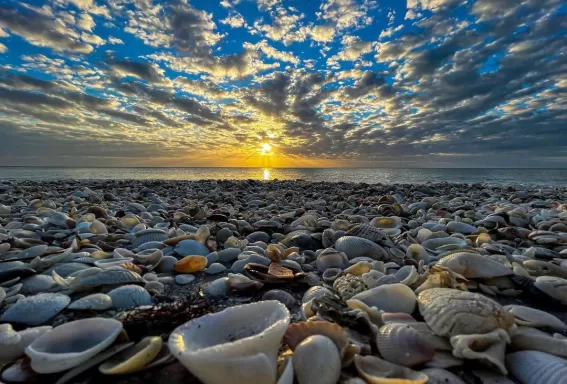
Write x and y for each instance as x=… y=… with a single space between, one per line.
x=266 y=174
x=265 y=148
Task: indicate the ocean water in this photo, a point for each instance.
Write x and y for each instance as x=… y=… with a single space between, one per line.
x=501 y=176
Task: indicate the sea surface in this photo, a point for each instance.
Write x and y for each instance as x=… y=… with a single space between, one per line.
x=501 y=176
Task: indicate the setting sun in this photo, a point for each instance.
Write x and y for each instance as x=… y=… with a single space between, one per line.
x=265 y=148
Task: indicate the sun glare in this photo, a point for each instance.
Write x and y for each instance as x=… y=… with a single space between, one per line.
x=265 y=148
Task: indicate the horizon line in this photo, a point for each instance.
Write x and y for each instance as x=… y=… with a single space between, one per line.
x=250 y=167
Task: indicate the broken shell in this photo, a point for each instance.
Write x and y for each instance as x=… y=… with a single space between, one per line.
x=238 y=344
x=532 y=317
x=359 y=268
x=388 y=225
x=377 y=371
x=331 y=274
x=190 y=264
x=401 y=344
x=442 y=277
x=133 y=358
x=442 y=376
x=71 y=344
x=489 y=348
x=316 y=360
x=554 y=287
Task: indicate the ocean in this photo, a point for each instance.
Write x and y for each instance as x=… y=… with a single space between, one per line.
x=501 y=176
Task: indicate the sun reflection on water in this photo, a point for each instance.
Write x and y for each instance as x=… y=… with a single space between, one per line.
x=266 y=174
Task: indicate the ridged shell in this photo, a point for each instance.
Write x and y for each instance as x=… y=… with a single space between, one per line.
x=433 y=244
x=112 y=276
x=95 y=302
x=403 y=345
x=191 y=247
x=535 y=318
x=389 y=225
x=354 y=246
x=371 y=233
x=377 y=371
x=155 y=235
x=526 y=338
x=66 y=269
x=129 y=296
x=43 y=307
x=533 y=367
x=471 y=265
x=450 y=312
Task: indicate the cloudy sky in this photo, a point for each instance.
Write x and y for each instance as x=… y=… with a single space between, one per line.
x=422 y=83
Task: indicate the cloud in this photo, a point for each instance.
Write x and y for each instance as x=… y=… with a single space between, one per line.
x=235 y=20
x=114 y=40
x=322 y=33
x=3 y=48
x=272 y=53
x=286 y=26
x=86 y=22
x=92 y=39
x=142 y=70
x=353 y=49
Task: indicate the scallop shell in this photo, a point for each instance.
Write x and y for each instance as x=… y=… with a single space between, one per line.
x=65 y=269
x=450 y=312
x=43 y=307
x=129 y=296
x=110 y=276
x=389 y=298
x=191 y=264
x=316 y=360
x=489 y=348
x=471 y=265
x=133 y=358
x=132 y=267
x=95 y=302
x=401 y=344
x=239 y=344
x=377 y=371
x=532 y=317
x=354 y=246
x=526 y=338
x=371 y=233
x=534 y=367
x=72 y=343
x=148 y=235
x=298 y=332
x=110 y=263
x=191 y=247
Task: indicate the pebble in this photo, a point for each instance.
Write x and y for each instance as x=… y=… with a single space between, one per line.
x=215 y=268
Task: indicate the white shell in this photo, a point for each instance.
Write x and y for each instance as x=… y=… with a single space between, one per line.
x=534 y=317
x=489 y=348
x=401 y=344
x=95 y=302
x=316 y=360
x=14 y=346
x=72 y=343
x=129 y=296
x=354 y=246
x=533 y=367
x=472 y=265
x=43 y=307
x=526 y=338
x=239 y=344
x=389 y=298
x=555 y=287
x=442 y=376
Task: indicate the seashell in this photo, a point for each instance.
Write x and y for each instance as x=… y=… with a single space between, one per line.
x=471 y=265
x=191 y=264
x=377 y=371
x=280 y=271
x=94 y=302
x=526 y=338
x=32 y=252
x=132 y=267
x=228 y=254
x=449 y=312
x=331 y=258
x=418 y=253
x=354 y=246
x=219 y=287
x=166 y=265
x=532 y=317
x=129 y=296
x=389 y=317
x=282 y=296
x=43 y=307
x=110 y=263
x=314 y=292
x=437 y=243
x=331 y=274
x=554 y=287
x=37 y=284
x=489 y=348
x=238 y=344
x=534 y=367
x=13 y=290
x=372 y=277
x=19 y=372
x=349 y=286
x=316 y=360
x=14 y=343
x=442 y=277
x=133 y=358
x=149 y=257
x=401 y=344
x=359 y=268
x=370 y=232
x=275 y=252
x=155 y=287
x=389 y=225
x=298 y=332
x=389 y=298
x=191 y=247
x=215 y=268
x=71 y=344
x=407 y=275
x=460 y=227
x=444 y=359
x=184 y=279
x=442 y=376
x=437 y=342
x=65 y=269
x=148 y=235
x=96 y=277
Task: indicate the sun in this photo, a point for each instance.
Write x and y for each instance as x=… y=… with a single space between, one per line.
x=265 y=148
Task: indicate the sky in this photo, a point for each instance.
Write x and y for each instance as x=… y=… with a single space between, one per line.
x=284 y=83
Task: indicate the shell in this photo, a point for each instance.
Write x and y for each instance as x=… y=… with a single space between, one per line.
x=388 y=225
x=554 y=287
x=460 y=227
x=43 y=306
x=149 y=258
x=331 y=274
x=377 y=371
x=129 y=296
x=434 y=244
x=65 y=269
x=133 y=358
x=535 y=318
x=190 y=264
x=526 y=338
x=418 y=253
x=471 y=265
x=95 y=302
x=238 y=344
x=534 y=367
x=389 y=298
x=442 y=277
x=215 y=268
x=489 y=348
x=72 y=343
x=371 y=233
x=191 y=247
x=184 y=279
x=280 y=271
x=349 y=286
x=316 y=360
x=354 y=246
x=450 y=312
x=314 y=292
x=13 y=344
x=282 y=296
x=442 y=376
x=110 y=263
x=331 y=258
x=132 y=267
x=147 y=236
x=359 y=268
x=94 y=277
x=37 y=284
x=401 y=344
x=298 y=332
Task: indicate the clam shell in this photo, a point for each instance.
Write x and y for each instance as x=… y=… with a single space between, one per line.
x=435 y=244
x=37 y=284
x=371 y=233
x=389 y=298
x=133 y=358
x=471 y=265
x=111 y=276
x=43 y=307
x=298 y=332
x=71 y=344
x=95 y=302
x=109 y=263
x=354 y=246
x=331 y=258
x=13 y=344
x=401 y=344
x=388 y=225
x=359 y=268
x=149 y=258
x=554 y=287
x=315 y=292
x=130 y=296
x=534 y=367
x=526 y=338
x=191 y=247
x=449 y=312
x=316 y=360
x=190 y=264
x=377 y=371
x=66 y=269
x=535 y=318
x=147 y=236
x=239 y=344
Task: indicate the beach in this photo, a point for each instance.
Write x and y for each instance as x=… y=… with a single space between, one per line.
x=278 y=280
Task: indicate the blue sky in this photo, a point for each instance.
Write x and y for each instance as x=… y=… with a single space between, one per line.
x=417 y=83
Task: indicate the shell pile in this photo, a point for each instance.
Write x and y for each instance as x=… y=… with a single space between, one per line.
x=311 y=283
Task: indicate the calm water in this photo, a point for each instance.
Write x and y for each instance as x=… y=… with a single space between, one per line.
x=532 y=177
